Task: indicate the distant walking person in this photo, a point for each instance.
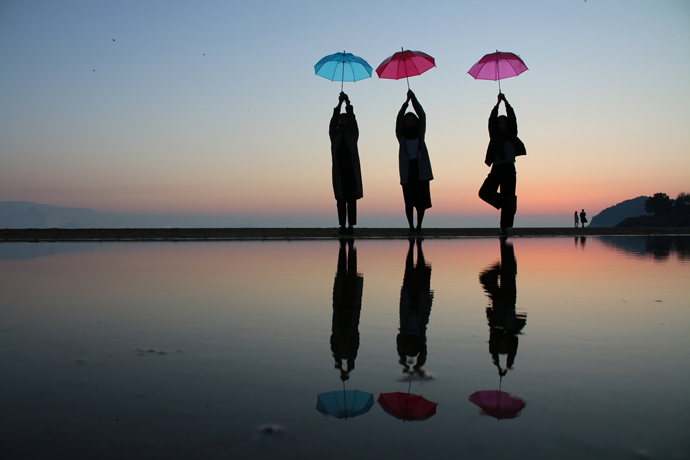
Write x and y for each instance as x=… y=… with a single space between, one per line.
x=504 y=146
x=577 y=220
x=583 y=218
x=347 y=175
x=413 y=161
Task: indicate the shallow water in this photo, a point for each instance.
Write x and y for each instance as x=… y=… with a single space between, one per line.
x=220 y=350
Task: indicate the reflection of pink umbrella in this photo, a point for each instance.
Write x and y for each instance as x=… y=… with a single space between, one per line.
x=498 y=404
x=496 y=66
x=406 y=406
x=405 y=64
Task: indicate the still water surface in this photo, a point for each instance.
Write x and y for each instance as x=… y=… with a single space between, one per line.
x=220 y=350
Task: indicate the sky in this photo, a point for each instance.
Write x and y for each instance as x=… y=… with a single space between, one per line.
x=213 y=109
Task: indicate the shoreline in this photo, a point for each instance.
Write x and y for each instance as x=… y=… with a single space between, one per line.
x=241 y=234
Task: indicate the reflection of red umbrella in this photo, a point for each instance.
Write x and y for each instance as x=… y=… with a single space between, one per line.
x=406 y=406
x=498 y=404
x=496 y=66
x=405 y=64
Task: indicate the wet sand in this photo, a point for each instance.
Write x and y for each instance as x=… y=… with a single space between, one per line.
x=230 y=234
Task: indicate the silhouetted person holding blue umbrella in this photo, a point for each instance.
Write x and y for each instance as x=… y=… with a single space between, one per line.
x=347 y=175
x=347 y=305
x=504 y=147
x=413 y=161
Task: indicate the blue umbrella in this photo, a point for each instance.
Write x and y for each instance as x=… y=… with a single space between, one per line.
x=345 y=403
x=343 y=66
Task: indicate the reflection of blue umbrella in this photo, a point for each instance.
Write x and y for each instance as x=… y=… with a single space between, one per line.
x=345 y=404
x=344 y=67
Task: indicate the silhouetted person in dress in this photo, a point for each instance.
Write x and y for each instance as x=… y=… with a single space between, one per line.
x=504 y=147
x=583 y=218
x=416 y=298
x=577 y=220
x=505 y=323
x=346 y=171
x=413 y=161
x=347 y=305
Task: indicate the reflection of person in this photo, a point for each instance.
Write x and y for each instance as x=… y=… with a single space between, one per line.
x=504 y=146
x=583 y=218
x=346 y=172
x=416 y=298
x=347 y=304
x=505 y=323
x=577 y=220
x=413 y=161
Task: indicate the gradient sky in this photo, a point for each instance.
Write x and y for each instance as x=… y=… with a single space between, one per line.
x=213 y=107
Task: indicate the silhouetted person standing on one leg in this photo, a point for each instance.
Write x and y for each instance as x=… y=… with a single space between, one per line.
x=413 y=161
x=347 y=175
x=505 y=324
x=583 y=218
x=504 y=146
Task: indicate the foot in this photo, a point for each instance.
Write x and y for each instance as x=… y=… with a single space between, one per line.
x=420 y=231
x=503 y=232
x=342 y=230
x=350 y=230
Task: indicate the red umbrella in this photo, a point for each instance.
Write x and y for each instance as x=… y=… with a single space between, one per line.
x=497 y=66
x=498 y=404
x=406 y=406
x=405 y=64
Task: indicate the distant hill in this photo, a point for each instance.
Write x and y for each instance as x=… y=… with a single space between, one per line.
x=25 y=214
x=610 y=217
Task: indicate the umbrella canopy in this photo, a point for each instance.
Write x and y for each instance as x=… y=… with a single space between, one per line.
x=405 y=64
x=345 y=403
x=498 y=404
x=406 y=406
x=497 y=66
x=344 y=67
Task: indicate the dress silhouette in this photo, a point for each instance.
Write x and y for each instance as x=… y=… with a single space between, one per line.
x=416 y=298
x=347 y=305
x=413 y=161
x=346 y=171
x=505 y=324
x=577 y=220
x=504 y=147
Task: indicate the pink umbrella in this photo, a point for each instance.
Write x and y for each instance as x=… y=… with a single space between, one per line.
x=405 y=64
x=496 y=66
x=498 y=404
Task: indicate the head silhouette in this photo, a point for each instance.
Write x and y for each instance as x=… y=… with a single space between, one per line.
x=411 y=125
x=343 y=122
x=502 y=123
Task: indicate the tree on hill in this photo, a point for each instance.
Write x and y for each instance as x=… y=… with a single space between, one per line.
x=660 y=205
x=682 y=204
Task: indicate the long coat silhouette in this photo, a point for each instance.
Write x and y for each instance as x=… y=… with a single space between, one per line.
x=347 y=305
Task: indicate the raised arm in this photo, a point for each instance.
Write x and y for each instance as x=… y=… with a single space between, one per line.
x=512 y=120
x=333 y=125
x=400 y=120
x=351 y=119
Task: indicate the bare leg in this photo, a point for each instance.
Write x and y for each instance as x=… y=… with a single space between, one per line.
x=420 y=218
x=409 y=212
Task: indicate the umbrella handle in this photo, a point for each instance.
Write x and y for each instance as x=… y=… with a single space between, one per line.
x=498 y=72
x=405 y=67
x=342 y=78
